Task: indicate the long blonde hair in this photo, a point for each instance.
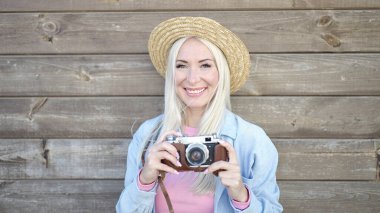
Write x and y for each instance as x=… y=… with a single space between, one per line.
x=212 y=118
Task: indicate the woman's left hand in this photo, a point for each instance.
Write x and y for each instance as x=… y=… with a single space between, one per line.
x=229 y=173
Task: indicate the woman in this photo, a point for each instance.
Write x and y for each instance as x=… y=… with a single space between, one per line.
x=203 y=62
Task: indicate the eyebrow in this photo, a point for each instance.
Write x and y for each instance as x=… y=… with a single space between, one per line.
x=201 y=61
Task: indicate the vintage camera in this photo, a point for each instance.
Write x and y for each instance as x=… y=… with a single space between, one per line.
x=197 y=153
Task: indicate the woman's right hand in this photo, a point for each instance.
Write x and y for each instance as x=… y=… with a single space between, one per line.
x=155 y=154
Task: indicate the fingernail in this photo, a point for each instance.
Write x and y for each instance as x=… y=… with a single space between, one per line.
x=205 y=171
x=179 y=164
x=177 y=155
x=176 y=172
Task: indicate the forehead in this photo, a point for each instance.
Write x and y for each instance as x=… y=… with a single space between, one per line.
x=193 y=48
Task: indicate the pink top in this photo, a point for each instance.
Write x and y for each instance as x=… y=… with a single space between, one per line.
x=179 y=188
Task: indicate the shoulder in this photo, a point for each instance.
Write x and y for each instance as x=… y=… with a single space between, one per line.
x=252 y=137
x=148 y=125
x=237 y=126
x=248 y=127
x=143 y=132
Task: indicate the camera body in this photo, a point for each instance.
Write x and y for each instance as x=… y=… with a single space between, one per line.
x=197 y=153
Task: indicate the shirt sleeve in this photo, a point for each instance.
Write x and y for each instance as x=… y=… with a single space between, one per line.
x=258 y=166
x=132 y=198
x=261 y=179
x=242 y=205
x=145 y=187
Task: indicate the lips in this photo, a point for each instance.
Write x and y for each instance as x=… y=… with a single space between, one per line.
x=195 y=92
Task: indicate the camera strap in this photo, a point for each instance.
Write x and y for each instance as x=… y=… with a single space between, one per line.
x=162 y=174
x=164 y=191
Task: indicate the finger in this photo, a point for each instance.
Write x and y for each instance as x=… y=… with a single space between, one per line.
x=154 y=163
x=219 y=165
x=165 y=168
x=167 y=156
x=165 y=146
x=230 y=150
x=229 y=179
x=168 y=169
x=230 y=174
x=171 y=132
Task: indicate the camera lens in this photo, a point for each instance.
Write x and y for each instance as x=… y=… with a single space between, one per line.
x=196 y=154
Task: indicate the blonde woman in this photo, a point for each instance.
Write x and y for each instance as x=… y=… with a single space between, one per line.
x=202 y=62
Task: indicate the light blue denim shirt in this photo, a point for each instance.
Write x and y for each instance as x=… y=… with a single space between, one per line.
x=258 y=160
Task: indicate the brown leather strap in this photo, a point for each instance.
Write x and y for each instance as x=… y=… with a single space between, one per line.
x=161 y=177
x=163 y=188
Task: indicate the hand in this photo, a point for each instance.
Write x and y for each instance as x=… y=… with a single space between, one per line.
x=230 y=174
x=155 y=154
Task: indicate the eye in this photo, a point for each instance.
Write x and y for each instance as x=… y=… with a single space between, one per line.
x=180 y=66
x=206 y=65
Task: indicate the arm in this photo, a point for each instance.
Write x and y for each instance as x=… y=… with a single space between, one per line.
x=259 y=173
x=132 y=199
x=249 y=176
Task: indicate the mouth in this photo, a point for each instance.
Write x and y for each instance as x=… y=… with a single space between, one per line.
x=195 y=92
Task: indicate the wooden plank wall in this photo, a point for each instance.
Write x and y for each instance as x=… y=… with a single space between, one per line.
x=73 y=87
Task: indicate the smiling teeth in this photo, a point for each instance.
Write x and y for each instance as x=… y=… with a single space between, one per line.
x=195 y=91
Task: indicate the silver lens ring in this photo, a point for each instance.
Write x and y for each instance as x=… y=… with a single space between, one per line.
x=197 y=154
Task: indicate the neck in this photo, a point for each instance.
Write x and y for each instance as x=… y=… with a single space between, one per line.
x=193 y=117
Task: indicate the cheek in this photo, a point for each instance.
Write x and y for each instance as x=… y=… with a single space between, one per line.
x=215 y=77
x=179 y=77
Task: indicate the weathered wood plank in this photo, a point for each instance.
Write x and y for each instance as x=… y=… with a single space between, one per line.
x=87 y=75
x=21 y=158
x=63 y=159
x=101 y=5
x=128 y=32
x=105 y=159
x=108 y=75
x=48 y=196
x=115 y=117
x=307 y=159
x=101 y=196
x=313 y=117
x=314 y=74
x=102 y=117
x=310 y=196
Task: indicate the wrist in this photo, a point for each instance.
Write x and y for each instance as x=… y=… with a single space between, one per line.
x=144 y=180
x=243 y=205
x=242 y=195
x=144 y=187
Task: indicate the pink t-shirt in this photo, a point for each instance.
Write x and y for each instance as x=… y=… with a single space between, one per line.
x=179 y=188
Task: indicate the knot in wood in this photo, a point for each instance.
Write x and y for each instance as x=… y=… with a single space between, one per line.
x=331 y=40
x=325 y=21
x=50 y=27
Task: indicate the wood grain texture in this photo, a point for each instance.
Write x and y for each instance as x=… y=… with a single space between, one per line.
x=110 y=75
x=116 y=117
x=308 y=159
x=76 y=82
x=63 y=159
x=128 y=32
x=331 y=197
x=116 y=5
x=50 y=196
x=304 y=159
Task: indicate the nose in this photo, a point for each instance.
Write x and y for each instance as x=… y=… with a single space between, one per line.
x=193 y=76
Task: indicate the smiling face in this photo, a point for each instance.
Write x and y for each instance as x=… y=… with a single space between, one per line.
x=196 y=74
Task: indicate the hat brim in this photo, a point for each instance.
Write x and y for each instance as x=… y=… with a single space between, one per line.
x=166 y=33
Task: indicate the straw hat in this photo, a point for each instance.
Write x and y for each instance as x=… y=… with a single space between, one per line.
x=166 y=33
